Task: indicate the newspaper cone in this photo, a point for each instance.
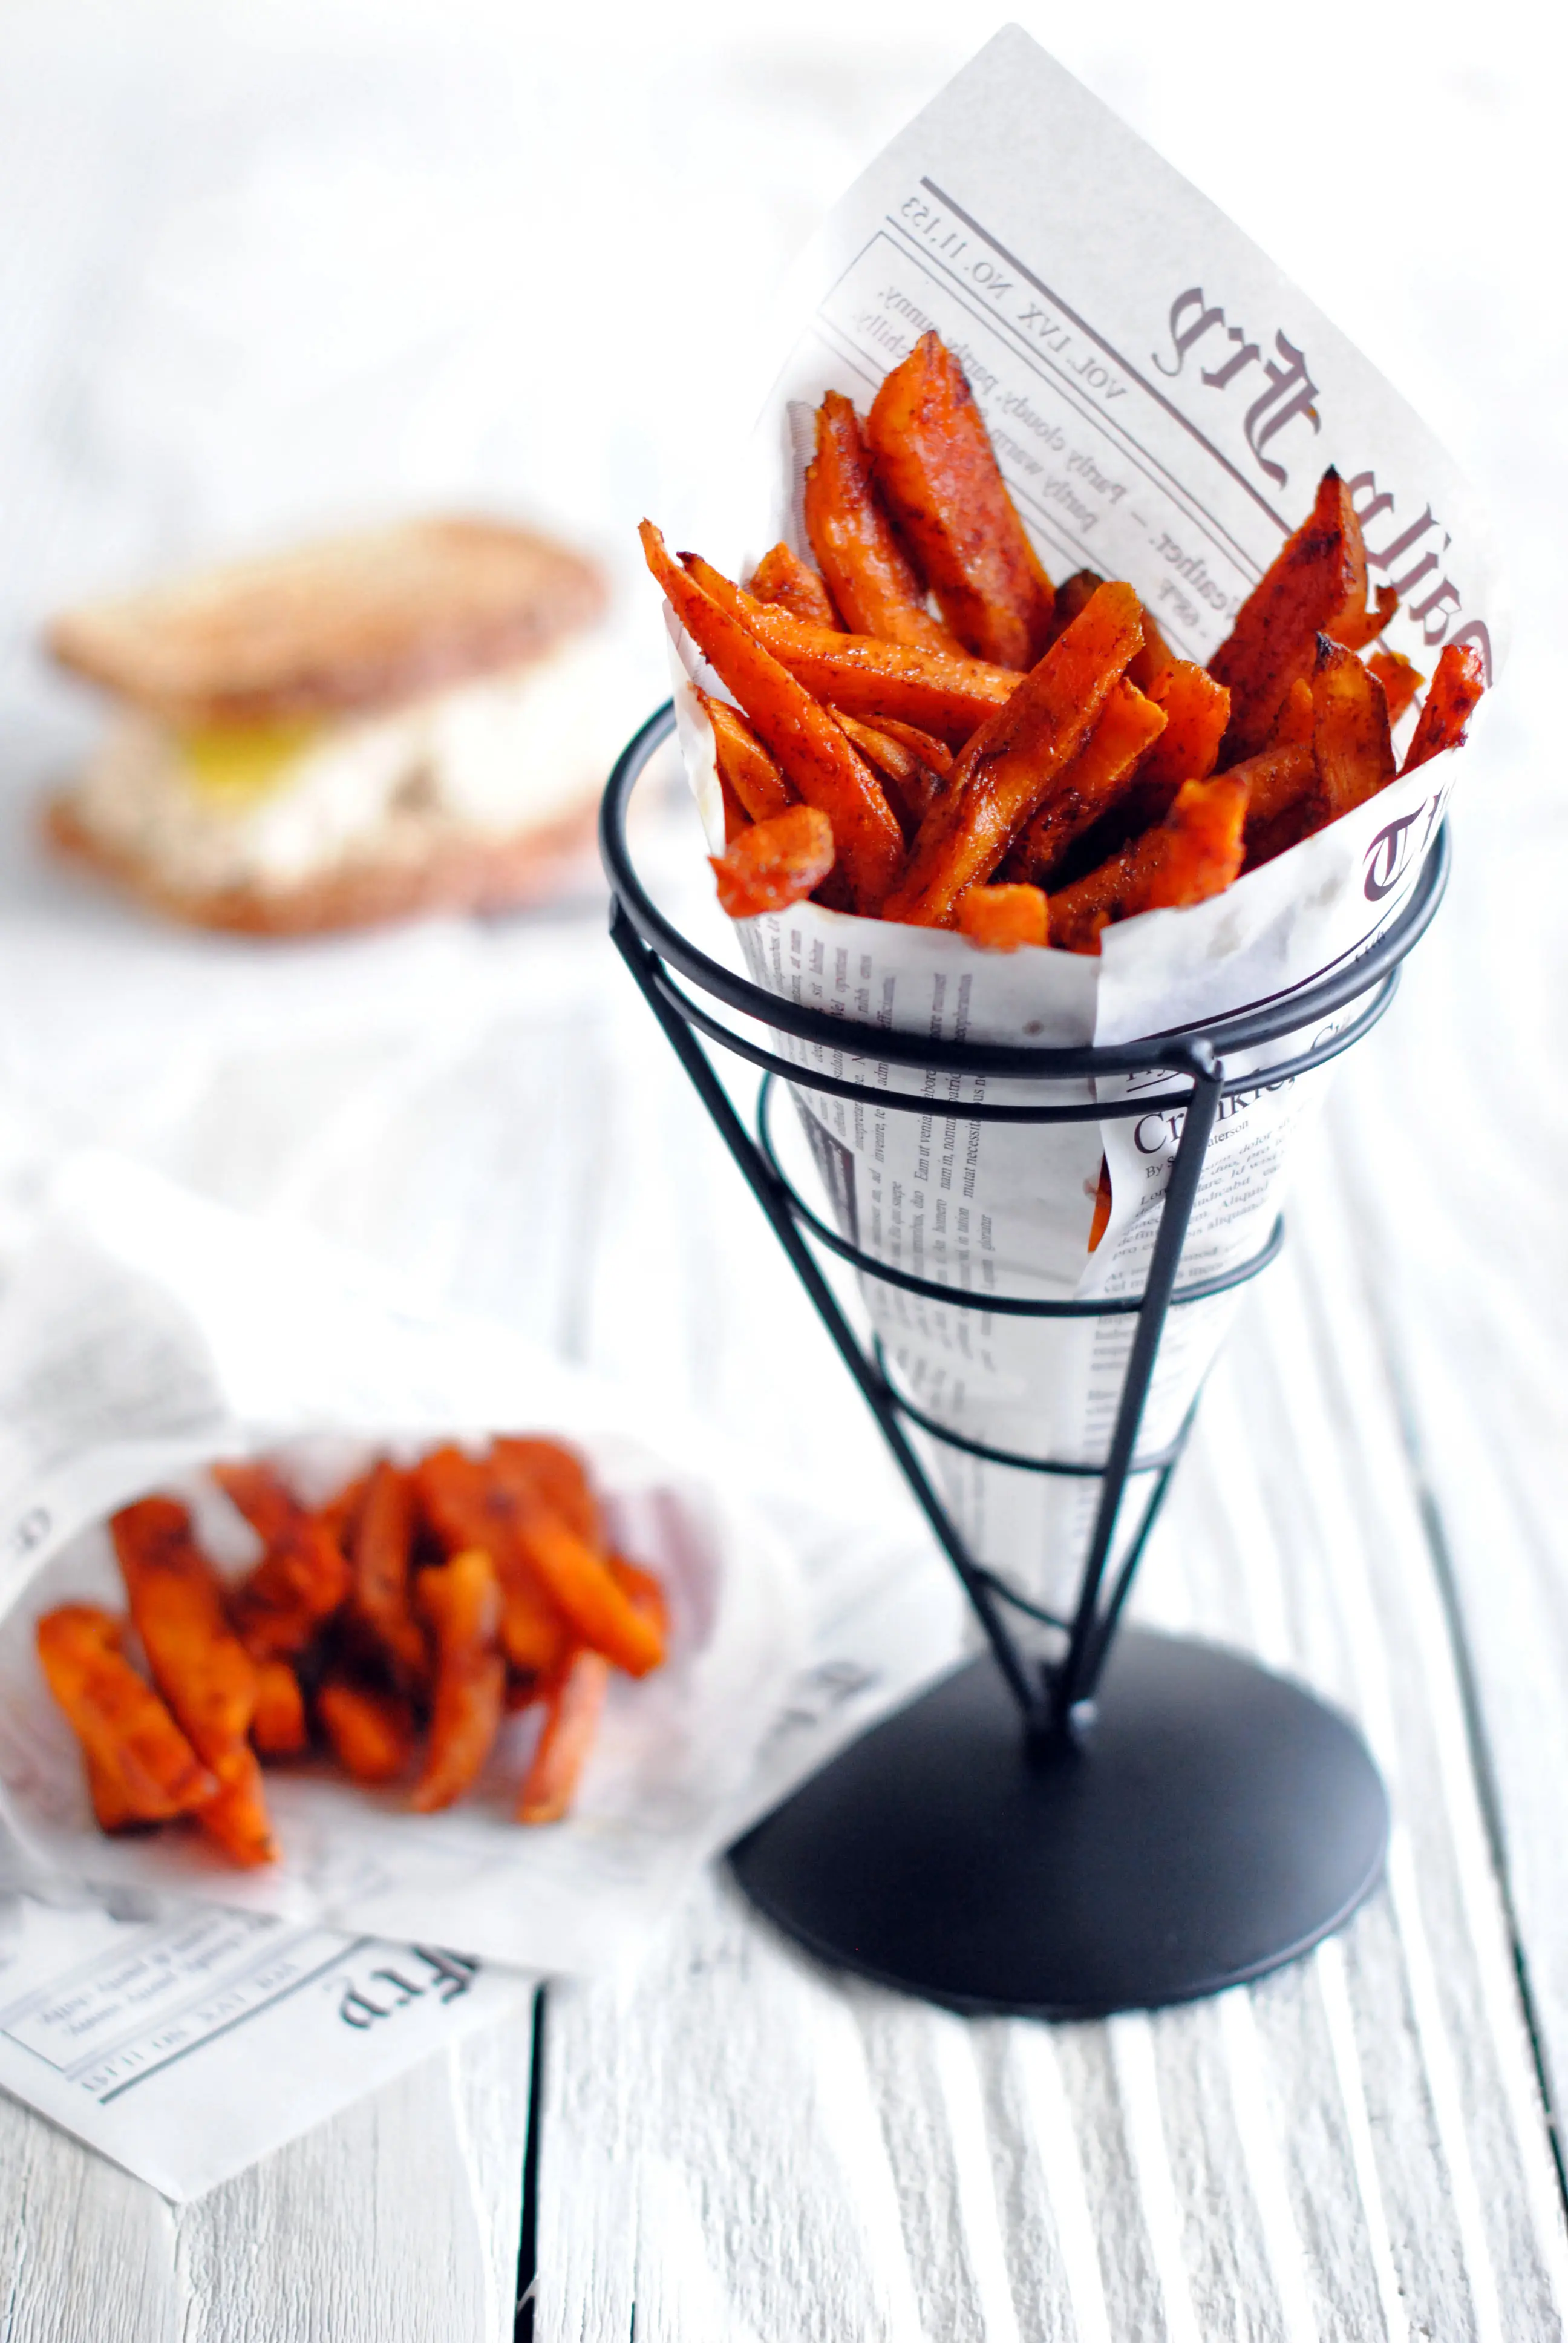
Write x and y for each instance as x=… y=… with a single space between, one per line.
x=1163 y=403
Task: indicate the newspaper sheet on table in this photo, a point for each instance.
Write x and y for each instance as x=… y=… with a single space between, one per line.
x=1163 y=403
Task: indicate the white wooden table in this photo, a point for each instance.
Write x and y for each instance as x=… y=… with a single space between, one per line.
x=256 y=276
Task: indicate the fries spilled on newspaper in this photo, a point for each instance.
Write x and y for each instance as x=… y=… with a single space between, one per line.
x=924 y=729
x=392 y=1628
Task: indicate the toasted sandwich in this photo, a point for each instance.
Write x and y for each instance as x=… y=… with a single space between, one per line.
x=395 y=723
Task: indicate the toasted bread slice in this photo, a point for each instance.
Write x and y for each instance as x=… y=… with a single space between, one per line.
x=464 y=871
x=354 y=624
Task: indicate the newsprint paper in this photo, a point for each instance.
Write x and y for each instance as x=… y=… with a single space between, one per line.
x=1163 y=403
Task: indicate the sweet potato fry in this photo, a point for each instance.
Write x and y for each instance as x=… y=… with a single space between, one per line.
x=873 y=580
x=1280 y=783
x=999 y=919
x=811 y=749
x=783 y=578
x=744 y=764
x=1146 y=666
x=1458 y=684
x=462 y=1600
x=1351 y=744
x=236 y=1816
x=941 y=692
x=1100 y=1220
x=198 y=1661
x=1197 y=710
x=1196 y=852
x=117 y=1715
x=1074 y=594
x=300 y=1580
x=371 y=1733
x=530 y=1466
x=642 y=1591
x=1013 y=761
x=1317 y=578
x=467 y=1503
x=113 y=1810
x=278 y=1728
x=1399 y=680
x=581 y=1584
x=912 y=782
x=381 y=1555
x=1356 y=628
x=573 y=1706
x=1105 y=770
x=774 y=863
x=1293 y=724
x=935 y=465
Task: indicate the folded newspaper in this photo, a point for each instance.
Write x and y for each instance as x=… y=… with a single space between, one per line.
x=185 y=2017
x=1163 y=403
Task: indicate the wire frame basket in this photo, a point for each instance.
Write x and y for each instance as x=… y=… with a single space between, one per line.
x=1143 y=1818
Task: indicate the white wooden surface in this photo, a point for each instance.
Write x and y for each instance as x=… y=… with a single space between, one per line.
x=287 y=266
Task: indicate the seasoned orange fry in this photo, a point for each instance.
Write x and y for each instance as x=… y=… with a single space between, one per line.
x=1356 y=628
x=381 y=1554
x=113 y=1809
x=1074 y=594
x=1006 y=769
x=1293 y=724
x=117 y=1716
x=1100 y=1221
x=585 y=1588
x=300 y=1580
x=1458 y=684
x=783 y=578
x=574 y=1702
x=744 y=764
x=1196 y=852
x=1399 y=680
x=198 y=1661
x=1105 y=769
x=1148 y=665
x=1197 y=710
x=462 y=1600
x=371 y=1733
x=941 y=692
x=872 y=578
x=468 y=1504
x=642 y=1591
x=774 y=863
x=1351 y=744
x=999 y=919
x=935 y=465
x=278 y=1728
x=1280 y=784
x=810 y=747
x=550 y=1469
x=912 y=782
x=236 y=1817
x=1318 y=576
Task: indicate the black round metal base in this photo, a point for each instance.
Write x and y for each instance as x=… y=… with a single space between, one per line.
x=1215 y=1822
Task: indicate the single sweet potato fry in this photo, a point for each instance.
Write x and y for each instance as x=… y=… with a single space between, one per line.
x=1196 y=852
x=531 y=1466
x=999 y=919
x=300 y=1580
x=371 y=1732
x=744 y=764
x=642 y=1591
x=381 y=1556
x=237 y=1818
x=935 y=464
x=462 y=1600
x=278 y=1728
x=774 y=863
x=1197 y=710
x=198 y=1661
x=1280 y=781
x=1351 y=744
x=1107 y=769
x=1356 y=628
x=113 y=1809
x=117 y=1715
x=1074 y=594
x=1013 y=761
x=912 y=782
x=942 y=693
x=1148 y=665
x=1100 y=1221
x=809 y=748
x=1399 y=680
x=1458 y=684
x=872 y=578
x=467 y=1504
x=783 y=578
x=1318 y=577
x=573 y=1706
x=582 y=1585
x=1293 y=725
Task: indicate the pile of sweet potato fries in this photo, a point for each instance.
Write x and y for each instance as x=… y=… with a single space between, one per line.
x=426 y=1601
x=925 y=729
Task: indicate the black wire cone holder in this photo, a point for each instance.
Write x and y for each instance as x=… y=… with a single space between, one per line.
x=1145 y=1818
